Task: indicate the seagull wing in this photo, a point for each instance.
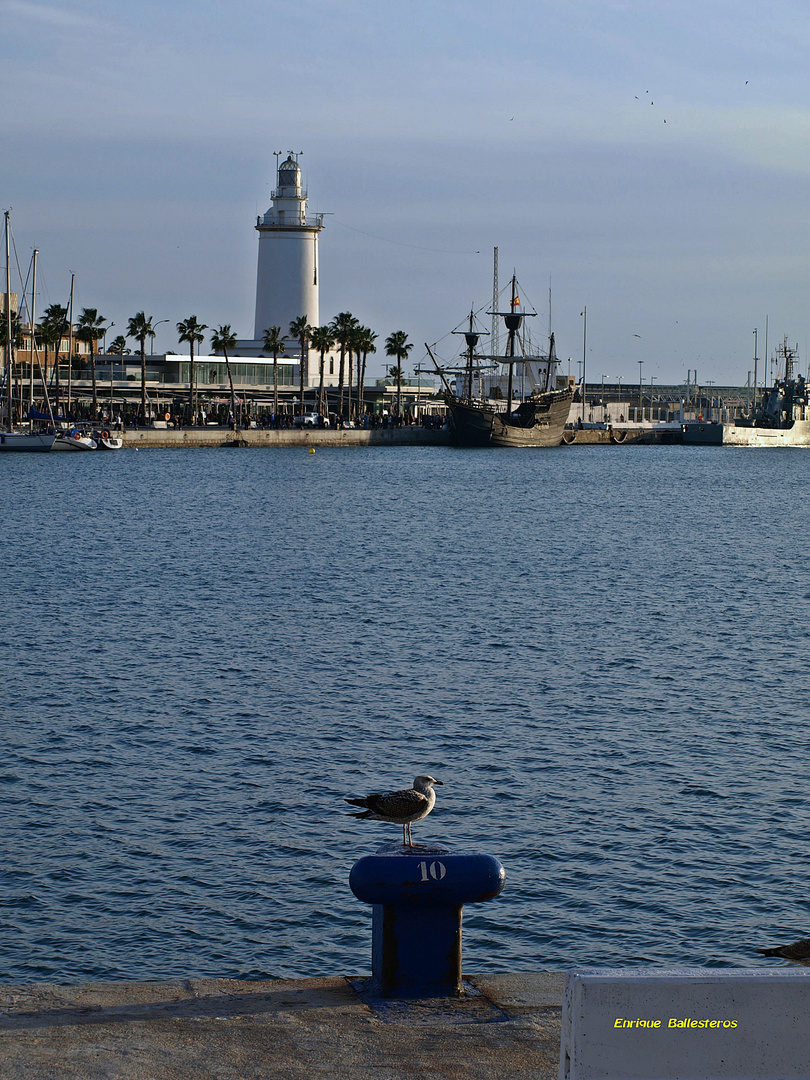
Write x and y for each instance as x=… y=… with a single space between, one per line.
x=397 y=803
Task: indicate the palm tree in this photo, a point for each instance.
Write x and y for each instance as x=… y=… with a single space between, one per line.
x=118 y=347
x=49 y=332
x=300 y=330
x=16 y=331
x=367 y=339
x=355 y=351
x=140 y=328
x=274 y=343
x=398 y=346
x=322 y=339
x=90 y=328
x=222 y=340
x=342 y=326
x=55 y=319
x=10 y=321
x=191 y=331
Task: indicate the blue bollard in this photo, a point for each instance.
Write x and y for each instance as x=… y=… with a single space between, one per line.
x=417 y=897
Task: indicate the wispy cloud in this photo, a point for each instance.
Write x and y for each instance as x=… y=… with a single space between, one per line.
x=59 y=18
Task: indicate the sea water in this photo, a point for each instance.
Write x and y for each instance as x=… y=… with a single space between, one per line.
x=601 y=652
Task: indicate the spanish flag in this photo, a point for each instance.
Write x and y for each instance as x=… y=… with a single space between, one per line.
x=516 y=302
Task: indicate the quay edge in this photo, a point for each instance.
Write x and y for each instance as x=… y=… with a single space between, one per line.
x=201 y=437
x=286 y=1029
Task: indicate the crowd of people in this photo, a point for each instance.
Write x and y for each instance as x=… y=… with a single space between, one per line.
x=177 y=415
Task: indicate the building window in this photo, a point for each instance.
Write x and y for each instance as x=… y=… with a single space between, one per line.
x=331 y=367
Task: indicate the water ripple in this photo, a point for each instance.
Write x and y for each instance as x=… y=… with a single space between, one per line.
x=209 y=652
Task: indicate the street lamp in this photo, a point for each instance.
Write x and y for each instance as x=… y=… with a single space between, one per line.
x=652 y=380
x=640 y=399
x=152 y=339
x=584 y=351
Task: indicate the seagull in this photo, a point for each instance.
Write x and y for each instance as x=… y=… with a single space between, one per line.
x=798 y=952
x=400 y=807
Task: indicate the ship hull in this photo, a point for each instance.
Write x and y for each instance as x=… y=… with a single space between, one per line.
x=731 y=434
x=798 y=434
x=23 y=441
x=539 y=422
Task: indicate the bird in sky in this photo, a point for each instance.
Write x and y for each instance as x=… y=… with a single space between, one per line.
x=798 y=952
x=400 y=807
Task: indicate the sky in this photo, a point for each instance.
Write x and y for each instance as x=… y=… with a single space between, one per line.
x=645 y=161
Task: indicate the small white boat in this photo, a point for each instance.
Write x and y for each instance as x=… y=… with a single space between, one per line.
x=105 y=440
x=23 y=440
x=74 y=440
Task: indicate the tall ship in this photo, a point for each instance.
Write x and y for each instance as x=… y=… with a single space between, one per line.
x=511 y=399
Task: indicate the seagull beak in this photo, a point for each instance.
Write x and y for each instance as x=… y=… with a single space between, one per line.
x=439 y=783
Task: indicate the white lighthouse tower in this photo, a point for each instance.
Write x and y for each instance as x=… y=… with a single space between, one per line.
x=287 y=275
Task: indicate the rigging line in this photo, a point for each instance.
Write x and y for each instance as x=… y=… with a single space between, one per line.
x=401 y=243
x=22 y=300
x=477 y=312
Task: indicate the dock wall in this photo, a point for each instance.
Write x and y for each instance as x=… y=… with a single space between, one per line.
x=201 y=437
x=169 y=438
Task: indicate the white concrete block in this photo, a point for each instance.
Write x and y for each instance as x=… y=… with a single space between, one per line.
x=686 y=1024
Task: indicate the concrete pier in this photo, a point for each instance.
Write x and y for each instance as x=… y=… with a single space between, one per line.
x=504 y=1026
x=170 y=438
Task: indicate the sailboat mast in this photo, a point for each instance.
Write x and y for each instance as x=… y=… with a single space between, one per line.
x=9 y=357
x=70 y=343
x=33 y=343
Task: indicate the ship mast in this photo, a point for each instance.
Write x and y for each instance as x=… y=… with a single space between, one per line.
x=471 y=336
x=472 y=340
x=512 y=319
